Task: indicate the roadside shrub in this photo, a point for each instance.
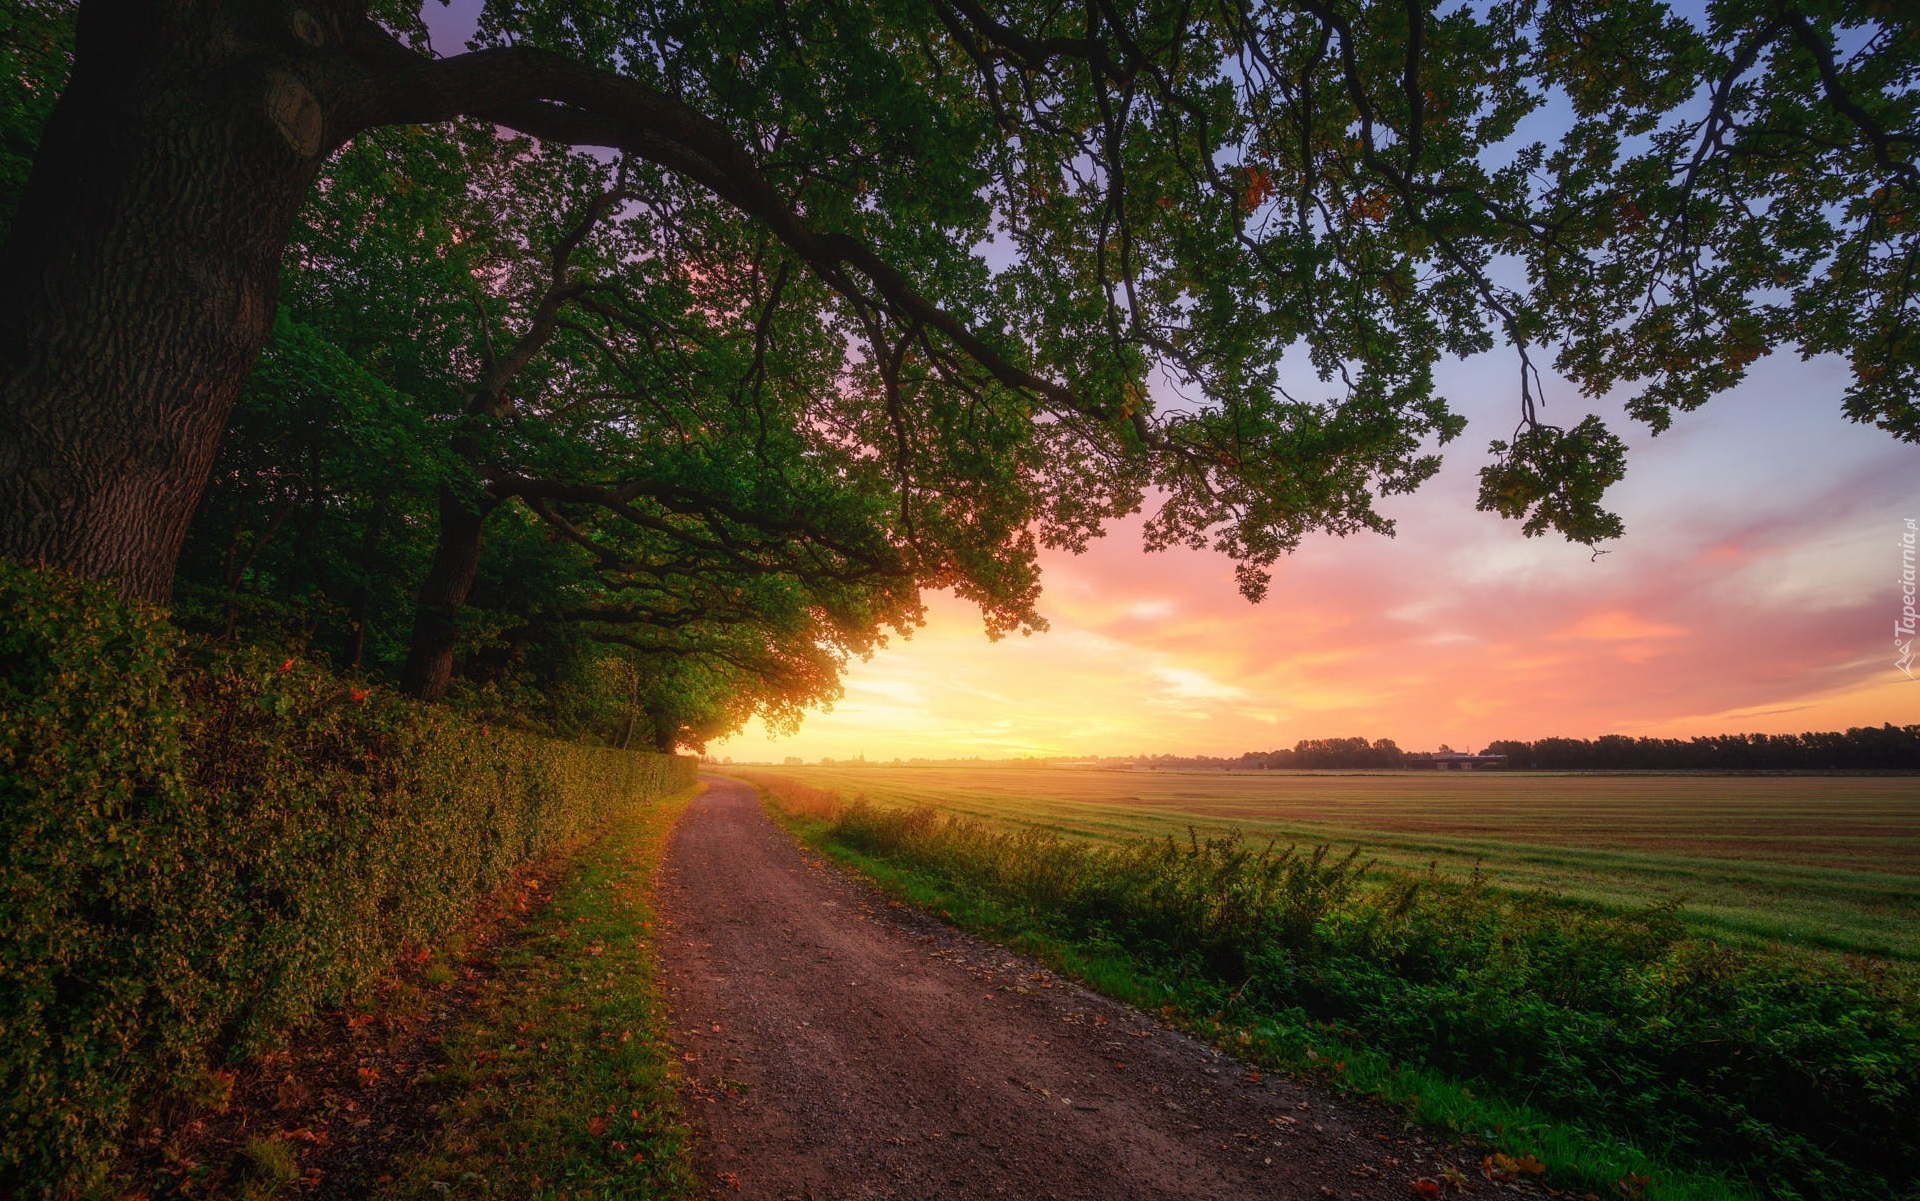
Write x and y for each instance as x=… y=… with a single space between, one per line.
x=1799 y=1073
x=200 y=848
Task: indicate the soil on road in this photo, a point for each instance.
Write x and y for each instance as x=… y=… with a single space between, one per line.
x=837 y=1046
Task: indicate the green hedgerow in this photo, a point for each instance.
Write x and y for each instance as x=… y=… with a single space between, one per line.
x=198 y=848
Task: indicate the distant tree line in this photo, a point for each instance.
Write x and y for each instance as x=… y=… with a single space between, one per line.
x=1863 y=747
x=1330 y=752
x=1307 y=753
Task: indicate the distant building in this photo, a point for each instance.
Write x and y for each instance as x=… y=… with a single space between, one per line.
x=1445 y=760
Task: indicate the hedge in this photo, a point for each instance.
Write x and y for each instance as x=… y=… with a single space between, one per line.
x=199 y=848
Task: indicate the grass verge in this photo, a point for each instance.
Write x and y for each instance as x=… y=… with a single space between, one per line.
x=558 y=1078
x=1352 y=996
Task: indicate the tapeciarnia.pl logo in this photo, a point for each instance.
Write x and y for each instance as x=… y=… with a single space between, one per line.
x=1903 y=627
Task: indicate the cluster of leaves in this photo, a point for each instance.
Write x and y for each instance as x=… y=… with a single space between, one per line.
x=1797 y=1074
x=481 y=333
x=36 y=49
x=197 y=848
x=1192 y=192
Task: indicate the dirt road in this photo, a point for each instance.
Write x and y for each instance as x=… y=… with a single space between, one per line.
x=839 y=1047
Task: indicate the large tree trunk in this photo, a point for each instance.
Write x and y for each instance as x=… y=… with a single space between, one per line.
x=666 y=731
x=436 y=619
x=360 y=612
x=138 y=281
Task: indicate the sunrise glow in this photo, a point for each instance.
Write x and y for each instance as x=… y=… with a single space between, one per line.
x=1755 y=591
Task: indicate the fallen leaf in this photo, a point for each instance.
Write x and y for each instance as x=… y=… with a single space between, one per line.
x=1505 y=1167
x=1425 y=1187
x=596 y=1125
x=730 y=1180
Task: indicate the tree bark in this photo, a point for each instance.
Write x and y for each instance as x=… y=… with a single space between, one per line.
x=360 y=612
x=665 y=730
x=436 y=619
x=138 y=282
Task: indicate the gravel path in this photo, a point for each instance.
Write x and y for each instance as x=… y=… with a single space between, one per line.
x=837 y=1046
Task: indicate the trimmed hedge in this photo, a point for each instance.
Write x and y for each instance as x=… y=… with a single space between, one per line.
x=200 y=848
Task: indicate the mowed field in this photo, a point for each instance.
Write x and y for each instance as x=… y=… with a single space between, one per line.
x=1829 y=862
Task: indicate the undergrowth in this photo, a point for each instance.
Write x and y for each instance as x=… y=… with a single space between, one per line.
x=1624 y=1053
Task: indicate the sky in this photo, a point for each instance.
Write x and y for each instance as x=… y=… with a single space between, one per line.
x=1756 y=590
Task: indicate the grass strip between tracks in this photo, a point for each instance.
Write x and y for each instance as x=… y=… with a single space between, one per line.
x=559 y=1078
x=1517 y=1139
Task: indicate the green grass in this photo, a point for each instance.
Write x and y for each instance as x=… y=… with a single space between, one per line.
x=559 y=1078
x=1830 y=863
x=1609 y=1045
x=270 y=1168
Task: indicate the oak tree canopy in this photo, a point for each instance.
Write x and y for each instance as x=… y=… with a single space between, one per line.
x=775 y=313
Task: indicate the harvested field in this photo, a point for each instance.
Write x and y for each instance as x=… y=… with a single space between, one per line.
x=1829 y=862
